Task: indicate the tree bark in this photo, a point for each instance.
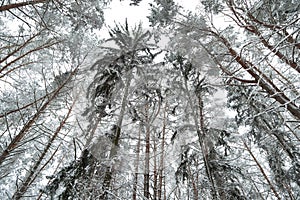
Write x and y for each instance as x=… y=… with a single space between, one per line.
x=33 y=171
x=251 y=28
x=114 y=148
x=21 y=4
x=262 y=80
x=44 y=46
x=18 y=138
x=136 y=171
x=262 y=171
x=161 y=164
x=199 y=123
x=147 y=156
x=155 y=174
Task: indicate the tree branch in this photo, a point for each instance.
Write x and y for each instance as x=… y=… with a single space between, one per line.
x=22 y=4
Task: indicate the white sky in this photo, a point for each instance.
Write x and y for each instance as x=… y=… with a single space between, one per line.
x=119 y=11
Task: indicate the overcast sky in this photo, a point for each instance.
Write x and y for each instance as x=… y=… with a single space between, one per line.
x=119 y=11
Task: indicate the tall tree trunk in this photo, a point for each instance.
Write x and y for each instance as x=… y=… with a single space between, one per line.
x=262 y=171
x=136 y=170
x=161 y=164
x=147 y=155
x=204 y=146
x=194 y=183
x=201 y=135
x=32 y=174
x=251 y=28
x=55 y=170
x=115 y=145
x=261 y=79
x=165 y=191
x=18 y=138
x=155 y=175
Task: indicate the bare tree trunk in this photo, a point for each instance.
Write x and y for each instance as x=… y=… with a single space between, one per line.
x=18 y=138
x=21 y=4
x=114 y=148
x=155 y=175
x=161 y=164
x=165 y=191
x=136 y=171
x=280 y=30
x=149 y=119
x=210 y=155
x=34 y=170
x=261 y=79
x=205 y=148
x=56 y=169
x=194 y=183
x=147 y=156
x=251 y=28
x=201 y=134
x=262 y=171
x=27 y=53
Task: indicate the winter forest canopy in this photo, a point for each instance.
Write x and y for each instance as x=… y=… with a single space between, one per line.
x=198 y=102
